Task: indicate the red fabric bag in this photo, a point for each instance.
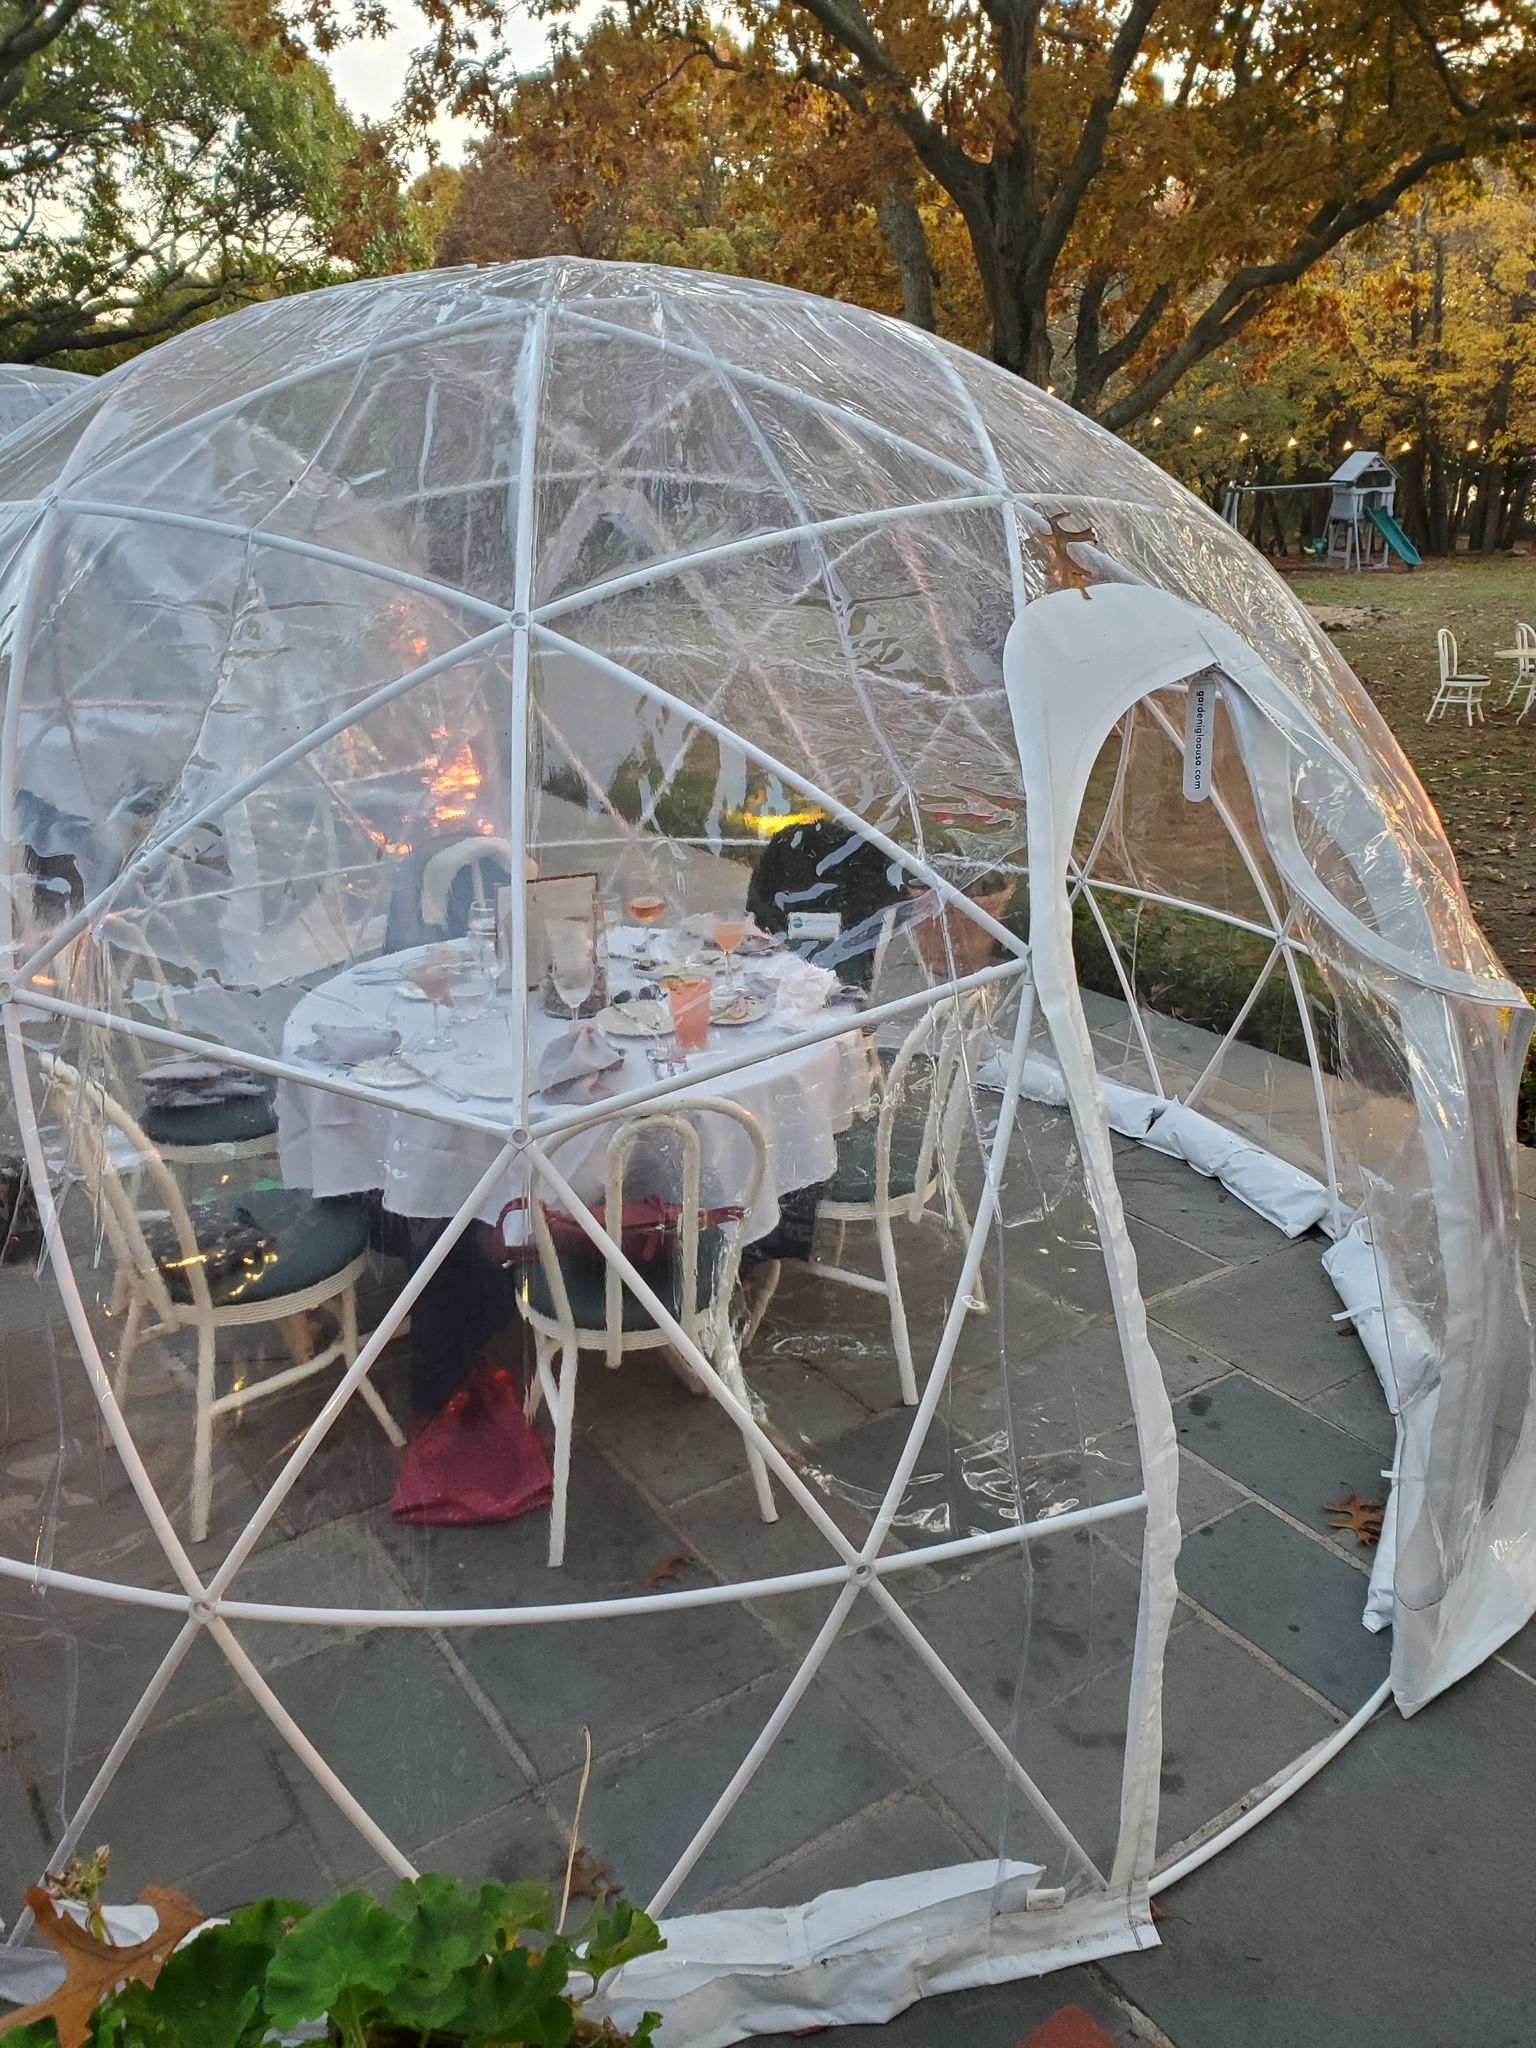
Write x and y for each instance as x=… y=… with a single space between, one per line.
x=478 y=1459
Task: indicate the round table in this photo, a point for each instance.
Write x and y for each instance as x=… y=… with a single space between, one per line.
x=1525 y=674
x=337 y=1145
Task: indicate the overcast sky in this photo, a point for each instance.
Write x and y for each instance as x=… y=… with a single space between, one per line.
x=369 y=74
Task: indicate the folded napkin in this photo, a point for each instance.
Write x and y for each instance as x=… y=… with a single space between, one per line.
x=188 y=1083
x=575 y=1065
x=802 y=990
x=345 y=1044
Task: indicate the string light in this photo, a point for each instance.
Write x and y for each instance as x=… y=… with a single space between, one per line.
x=1347 y=446
x=1472 y=447
x=1157 y=419
x=1406 y=448
x=1199 y=430
x=1050 y=390
x=1293 y=442
x=1243 y=435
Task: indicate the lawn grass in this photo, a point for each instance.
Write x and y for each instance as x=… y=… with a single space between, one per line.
x=1483 y=780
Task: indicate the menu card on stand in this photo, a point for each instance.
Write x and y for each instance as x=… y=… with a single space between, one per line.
x=550 y=896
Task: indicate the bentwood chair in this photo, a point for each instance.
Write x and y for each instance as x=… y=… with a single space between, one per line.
x=313 y=1253
x=1525 y=670
x=900 y=1163
x=1455 y=688
x=575 y=1299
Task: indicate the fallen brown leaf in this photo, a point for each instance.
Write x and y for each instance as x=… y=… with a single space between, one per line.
x=1360 y=1518
x=590 y=1879
x=670 y=1569
x=94 y=1968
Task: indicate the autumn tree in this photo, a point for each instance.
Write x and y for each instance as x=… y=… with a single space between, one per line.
x=163 y=159
x=1438 y=323
x=625 y=148
x=1137 y=181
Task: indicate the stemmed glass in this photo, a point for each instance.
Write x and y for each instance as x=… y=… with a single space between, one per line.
x=436 y=984
x=572 y=961
x=729 y=933
x=645 y=907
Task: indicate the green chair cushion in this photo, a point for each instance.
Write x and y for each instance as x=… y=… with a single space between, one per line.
x=310 y=1241
x=212 y=1123
x=854 y=1180
x=586 y=1280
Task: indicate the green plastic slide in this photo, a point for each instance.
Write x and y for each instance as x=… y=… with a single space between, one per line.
x=1395 y=537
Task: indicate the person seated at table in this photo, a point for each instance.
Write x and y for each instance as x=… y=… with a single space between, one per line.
x=440 y=881
x=823 y=865
x=469 y=1301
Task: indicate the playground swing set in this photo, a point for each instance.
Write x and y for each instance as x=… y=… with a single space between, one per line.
x=1361 y=531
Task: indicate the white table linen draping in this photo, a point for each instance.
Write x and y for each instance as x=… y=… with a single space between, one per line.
x=336 y=1145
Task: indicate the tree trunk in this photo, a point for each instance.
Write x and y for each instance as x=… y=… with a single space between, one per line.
x=1415 y=507
x=1490 y=471
x=901 y=225
x=1002 y=229
x=1437 y=502
x=1517 y=491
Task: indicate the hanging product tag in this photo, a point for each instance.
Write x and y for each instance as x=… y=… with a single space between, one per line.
x=1199 y=737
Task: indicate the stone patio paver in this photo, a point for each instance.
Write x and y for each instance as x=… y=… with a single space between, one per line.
x=1291 y=1458
x=1297 y=1599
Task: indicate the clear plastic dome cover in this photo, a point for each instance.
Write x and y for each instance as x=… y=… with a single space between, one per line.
x=26 y=389
x=943 y=898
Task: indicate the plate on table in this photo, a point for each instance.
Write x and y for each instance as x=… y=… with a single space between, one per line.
x=497 y=1080
x=726 y=1007
x=665 y=972
x=643 y=1018
x=386 y=1072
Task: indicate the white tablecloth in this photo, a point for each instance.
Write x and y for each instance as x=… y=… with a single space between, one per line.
x=335 y=1145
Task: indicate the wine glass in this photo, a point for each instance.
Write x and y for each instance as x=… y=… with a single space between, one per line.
x=436 y=984
x=572 y=961
x=645 y=906
x=729 y=933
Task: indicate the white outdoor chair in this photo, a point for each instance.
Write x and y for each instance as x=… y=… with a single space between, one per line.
x=438 y=884
x=204 y=1134
x=317 y=1252
x=1525 y=670
x=576 y=1300
x=1455 y=688
x=898 y=1163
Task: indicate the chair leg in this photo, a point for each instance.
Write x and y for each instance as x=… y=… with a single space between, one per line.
x=736 y=1380
x=761 y=1303
x=541 y=1386
x=564 y=1406
x=298 y=1336
x=369 y=1392
x=127 y=1344
x=202 y=1437
x=900 y=1337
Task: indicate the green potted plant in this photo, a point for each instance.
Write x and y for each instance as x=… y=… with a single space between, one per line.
x=440 y=1965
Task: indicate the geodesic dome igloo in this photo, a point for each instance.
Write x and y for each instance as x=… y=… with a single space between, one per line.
x=1116 y=984
x=27 y=389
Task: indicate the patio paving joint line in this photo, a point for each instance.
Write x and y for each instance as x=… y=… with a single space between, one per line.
x=1320 y=1537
